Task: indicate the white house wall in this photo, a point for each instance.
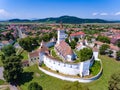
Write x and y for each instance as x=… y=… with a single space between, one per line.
x=96 y=55
x=65 y=68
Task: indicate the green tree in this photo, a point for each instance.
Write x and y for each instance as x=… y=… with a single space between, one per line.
x=73 y=44
x=8 y=50
x=118 y=55
x=76 y=39
x=110 y=52
x=46 y=37
x=28 y=43
x=103 y=39
x=51 y=35
x=87 y=37
x=85 y=54
x=114 y=82
x=12 y=68
x=34 y=86
x=12 y=64
x=67 y=40
x=118 y=44
x=9 y=36
x=103 y=49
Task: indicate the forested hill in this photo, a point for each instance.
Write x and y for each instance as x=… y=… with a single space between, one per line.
x=63 y=19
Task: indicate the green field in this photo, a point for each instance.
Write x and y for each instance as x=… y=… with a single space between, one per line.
x=50 y=83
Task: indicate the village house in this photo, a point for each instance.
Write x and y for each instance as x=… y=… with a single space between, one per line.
x=34 y=56
x=115 y=38
x=5 y=43
x=77 y=35
x=112 y=47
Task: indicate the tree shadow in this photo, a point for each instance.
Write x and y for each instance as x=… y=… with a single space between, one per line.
x=25 y=77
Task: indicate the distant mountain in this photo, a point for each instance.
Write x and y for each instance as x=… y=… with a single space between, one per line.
x=71 y=20
x=19 y=20
x=64 y=19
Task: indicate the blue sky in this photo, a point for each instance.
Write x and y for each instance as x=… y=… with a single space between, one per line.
x=29 y=9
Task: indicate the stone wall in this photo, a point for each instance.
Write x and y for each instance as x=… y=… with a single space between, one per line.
x=81 y=68
x=83 y=80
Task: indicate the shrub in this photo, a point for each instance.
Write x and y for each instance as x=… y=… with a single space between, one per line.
x=34 y=86
x=57 y=71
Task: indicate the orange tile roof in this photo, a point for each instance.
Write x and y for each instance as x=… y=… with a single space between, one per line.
x=113 y=47
x=36 y=53
x=64 y=48
x=77 y=33
x=5 y=42
x=99 y=43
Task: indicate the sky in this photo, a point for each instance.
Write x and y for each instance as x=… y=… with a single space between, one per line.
x=35 y=9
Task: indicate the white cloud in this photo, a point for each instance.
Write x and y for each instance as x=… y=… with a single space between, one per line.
x=94 y=14
x=103 y=14
x=3 y=12
x=117 y=13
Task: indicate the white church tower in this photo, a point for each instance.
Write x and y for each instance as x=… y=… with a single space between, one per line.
x=61 y=34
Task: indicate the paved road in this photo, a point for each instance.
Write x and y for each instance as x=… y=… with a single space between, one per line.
x=1 y=73
x=20 y=32
x=3 y=87
x=12 y=87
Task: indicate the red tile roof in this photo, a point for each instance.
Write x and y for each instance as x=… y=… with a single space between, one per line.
x=64 y=48
x=113 y=47
x=25 y=62
x=77 y=33
x=36 y=53
x=99 y=43
x=5 y=42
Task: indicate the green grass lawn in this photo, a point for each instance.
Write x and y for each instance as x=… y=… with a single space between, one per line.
x=110 y=66
x=2 y=82
x=47 y=82
x=1 y=64
x=95 y=69
x=50 y=83
x=55 y=55
x=25 y=55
